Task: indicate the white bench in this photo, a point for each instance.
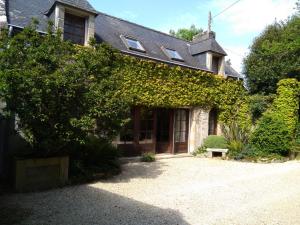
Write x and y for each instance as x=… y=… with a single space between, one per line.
x=216 y=152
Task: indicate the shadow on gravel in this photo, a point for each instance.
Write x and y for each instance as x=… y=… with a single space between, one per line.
x=13 y=214
x=87 y=205
x=139 y=170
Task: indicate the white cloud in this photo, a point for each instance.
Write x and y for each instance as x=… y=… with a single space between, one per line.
x=236 y=54
x=250 y=16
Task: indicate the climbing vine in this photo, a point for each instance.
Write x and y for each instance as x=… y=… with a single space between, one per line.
x=152 y=84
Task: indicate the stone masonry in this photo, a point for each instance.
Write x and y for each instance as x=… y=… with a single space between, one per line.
x=3 y=18
x=198 y=128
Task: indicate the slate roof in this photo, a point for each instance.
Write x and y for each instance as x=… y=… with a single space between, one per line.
x=229 y=71
x=207 y=45
x=21 y=12
x=109 y=29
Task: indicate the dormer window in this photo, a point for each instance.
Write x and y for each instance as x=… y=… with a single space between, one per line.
x=133 y=44
x=215 y=64
x=74 y=29
x=172 y=54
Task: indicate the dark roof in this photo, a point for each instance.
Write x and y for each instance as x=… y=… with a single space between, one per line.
x=109 y=29
x=229 y=71
x=207 y=45
x=21 y=12
x=80 y=4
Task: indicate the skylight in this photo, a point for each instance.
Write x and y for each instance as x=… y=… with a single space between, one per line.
x=173 y=54
x=133 y=44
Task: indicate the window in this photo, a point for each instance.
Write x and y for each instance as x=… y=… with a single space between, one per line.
x=172 y=54
x=213 y=122
x=133 y=44
x=180 y=126
x=74 y=29
x=146 y=125
x=127 y=133
x=215 y=64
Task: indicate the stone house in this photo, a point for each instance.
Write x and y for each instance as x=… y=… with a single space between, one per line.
x=160 y=130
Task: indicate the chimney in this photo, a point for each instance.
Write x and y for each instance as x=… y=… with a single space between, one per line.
x=204 y=36
x=207 y=34
x=3 y=18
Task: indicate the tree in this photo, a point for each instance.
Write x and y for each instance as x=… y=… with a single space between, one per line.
x=60 y=92
x=274 y=55
x=186 y=33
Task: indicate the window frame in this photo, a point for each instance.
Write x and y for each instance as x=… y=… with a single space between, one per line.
x=145 y=122
x=139 y=43
x=166 y=52
x=71 y=13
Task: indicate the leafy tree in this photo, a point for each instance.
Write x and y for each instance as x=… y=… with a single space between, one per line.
x=60 y=92
x=186 y=33
x=274 y=55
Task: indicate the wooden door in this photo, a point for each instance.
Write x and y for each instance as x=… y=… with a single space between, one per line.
x=163 y=131
x=181 y=130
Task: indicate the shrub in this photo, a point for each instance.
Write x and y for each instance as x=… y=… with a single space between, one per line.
x=272 y=136
x=148 y=157
x=234 y=132
x=95 y=158
x=235 y=148
x=215 y=141
x=295 y=149
x=276 y=129
x=59 y=94
x=236 y=137
x=259 y=104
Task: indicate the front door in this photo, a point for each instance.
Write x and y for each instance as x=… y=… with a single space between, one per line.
x=181 y=130
x=163 y=134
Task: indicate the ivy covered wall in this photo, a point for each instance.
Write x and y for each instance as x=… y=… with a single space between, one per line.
x=152 y=84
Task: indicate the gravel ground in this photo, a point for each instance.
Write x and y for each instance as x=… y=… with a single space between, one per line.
x=173 y=191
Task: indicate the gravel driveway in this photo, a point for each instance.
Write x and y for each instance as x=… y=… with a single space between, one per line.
x=173 y=191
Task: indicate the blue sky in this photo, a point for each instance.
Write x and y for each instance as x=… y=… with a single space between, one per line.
x=235 y=29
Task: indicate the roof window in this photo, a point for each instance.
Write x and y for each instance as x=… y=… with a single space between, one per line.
x=172 y=54
x=133 y=44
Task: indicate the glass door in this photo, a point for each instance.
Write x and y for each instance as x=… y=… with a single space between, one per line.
x=181 y=130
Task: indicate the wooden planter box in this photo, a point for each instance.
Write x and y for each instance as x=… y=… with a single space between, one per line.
x=41 y=174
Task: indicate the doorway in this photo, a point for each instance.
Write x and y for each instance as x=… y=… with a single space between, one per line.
x=181 y=130
x=164 y=131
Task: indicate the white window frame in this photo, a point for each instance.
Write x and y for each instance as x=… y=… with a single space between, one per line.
x=166 y=52
x=125 y=41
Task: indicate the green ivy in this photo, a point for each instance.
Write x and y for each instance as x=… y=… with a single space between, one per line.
x=152 y=84
x=277 y=127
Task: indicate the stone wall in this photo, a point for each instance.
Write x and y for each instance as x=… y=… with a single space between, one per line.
x=3 y=18
x=198 y=128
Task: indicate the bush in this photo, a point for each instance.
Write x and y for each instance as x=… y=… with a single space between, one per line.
x=295 y=149
x=272 y=136
x=59 y=94
x=93 y=160
x=215 y=141
x=275 y=132
x=148 y=157
x=235 y=148
x=236 y=137
x=259 y=104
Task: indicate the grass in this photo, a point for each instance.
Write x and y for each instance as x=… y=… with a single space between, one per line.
x=148 y=157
